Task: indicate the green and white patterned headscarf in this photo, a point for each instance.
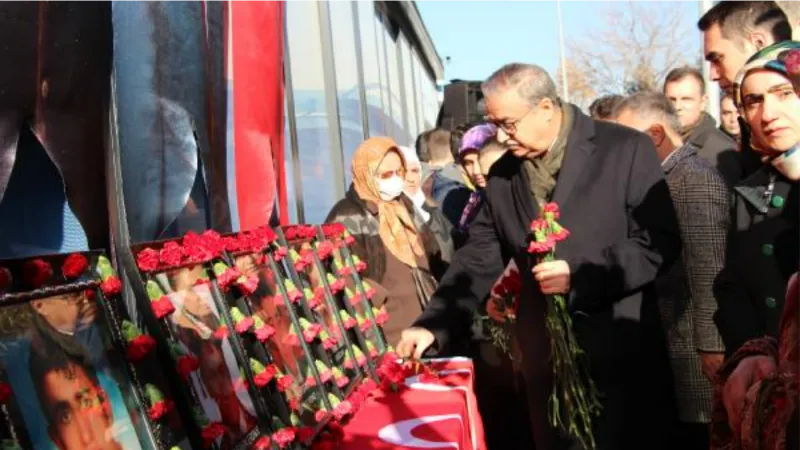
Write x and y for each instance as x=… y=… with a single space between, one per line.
x=783 y=58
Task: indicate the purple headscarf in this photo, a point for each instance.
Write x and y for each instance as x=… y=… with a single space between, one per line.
x=476 y=137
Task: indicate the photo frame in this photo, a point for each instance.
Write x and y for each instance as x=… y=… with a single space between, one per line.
x=76 y=372
x=188 y=313
x=304 y=267
x=333 y=248
x=280 y=336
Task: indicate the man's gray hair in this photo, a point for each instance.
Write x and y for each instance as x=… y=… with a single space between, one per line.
x=531 y=82
x=651 y=104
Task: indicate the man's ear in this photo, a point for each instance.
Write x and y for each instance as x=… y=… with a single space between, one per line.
x=704 y=102
x=759 y=39
x=37 y=306
x=657 y=134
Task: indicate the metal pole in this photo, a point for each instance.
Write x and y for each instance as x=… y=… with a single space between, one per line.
x=564 y=86
x=712 y=88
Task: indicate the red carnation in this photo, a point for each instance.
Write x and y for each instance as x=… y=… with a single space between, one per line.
x=5 y=392
x=304 y=433
x=370 y=293
x=172 y=254
x=162 y=307
x=342 y=381
x=350 y=323
x=147 y=260
x=221 y=332
x=319 y=416
x=265 y=332
x=541 y=247
x=301 y=265
x=365 y=325
x=212 y=432
x=538 y=225
x=264 y=377
x=111 y=286
x=157 y=411
x=551 y=208
x=74 y=266
x=228 y=277
x=263 y=443
x=337 y=286
x=199 y=254
x=295 y=295
x=355 y=300
x=139 y=347
x=344 y=271
x=342 y=409
x=294 y=405
x=37 y=272
x=324 y=250
x=202 y=281
x=186 y=365
x=325 y=375
x=349 y=239
x=310 y=382
x=280 y=253
x=382 y=317
x=285 y=382
x=560 y=235
x=283 y=437
x=348 y=364
x=290 y=233
x=361 y=266
x=249 y=285
x=244 y=325
x=311 y=333
x=5 y=278
x=373 y=353
x=329 y=343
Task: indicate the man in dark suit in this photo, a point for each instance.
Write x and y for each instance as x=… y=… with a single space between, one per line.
x=685 y=292
x=686 y=90
x=614 y=200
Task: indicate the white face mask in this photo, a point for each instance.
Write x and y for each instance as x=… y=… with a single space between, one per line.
x=390 y=188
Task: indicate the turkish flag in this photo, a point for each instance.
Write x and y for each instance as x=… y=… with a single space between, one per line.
x=429 y=415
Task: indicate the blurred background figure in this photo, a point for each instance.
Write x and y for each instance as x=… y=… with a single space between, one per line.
x=686 y=90
x=403 y=259
x=444 y=183
x=602 y=107
x=468 y=156
x=729 y=118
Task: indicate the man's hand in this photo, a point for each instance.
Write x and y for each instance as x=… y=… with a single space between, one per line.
x=749 y=371
x=553 y=277
x=413 y=342
x=711 y=362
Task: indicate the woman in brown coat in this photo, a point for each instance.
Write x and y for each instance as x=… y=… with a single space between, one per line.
x=403 y=260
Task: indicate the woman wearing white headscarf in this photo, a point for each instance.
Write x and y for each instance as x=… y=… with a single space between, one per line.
x=425 y=211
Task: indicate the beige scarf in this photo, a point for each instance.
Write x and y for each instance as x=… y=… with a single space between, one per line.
x=543 y=170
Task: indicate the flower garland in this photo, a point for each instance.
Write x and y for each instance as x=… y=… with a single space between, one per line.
x=574 y=400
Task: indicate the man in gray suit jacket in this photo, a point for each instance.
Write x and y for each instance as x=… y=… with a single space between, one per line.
x=685 y=292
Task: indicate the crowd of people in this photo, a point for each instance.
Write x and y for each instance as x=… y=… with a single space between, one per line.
x=681 y=266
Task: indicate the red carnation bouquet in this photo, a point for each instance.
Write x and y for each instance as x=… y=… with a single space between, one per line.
x=574 y=401
x=502 y=308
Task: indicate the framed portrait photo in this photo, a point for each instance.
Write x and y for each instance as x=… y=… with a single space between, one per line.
x=304 y=269
x=68 y=380
x=279 y=337
x=190 y=314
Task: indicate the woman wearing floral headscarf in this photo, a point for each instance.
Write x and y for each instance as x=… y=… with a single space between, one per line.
x=403 y=260
x=757 y=391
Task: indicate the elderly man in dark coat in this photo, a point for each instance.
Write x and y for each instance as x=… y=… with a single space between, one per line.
x=686 y=292
x=614 y=200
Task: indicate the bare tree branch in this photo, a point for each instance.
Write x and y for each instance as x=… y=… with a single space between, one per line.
x=633 y=47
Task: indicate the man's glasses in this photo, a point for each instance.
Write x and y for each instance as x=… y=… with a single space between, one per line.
x=507 y=125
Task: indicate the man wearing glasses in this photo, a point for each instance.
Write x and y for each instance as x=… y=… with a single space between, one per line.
x=614 y=200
